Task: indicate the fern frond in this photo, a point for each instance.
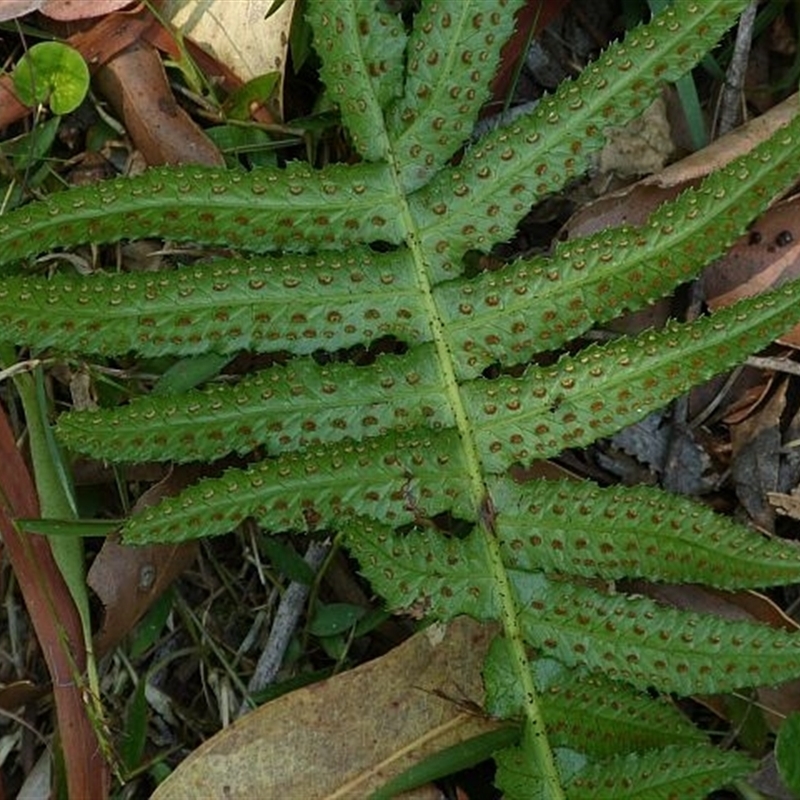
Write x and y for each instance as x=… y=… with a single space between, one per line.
x=389 y=452
x=437 y=111
x=320 y=487
x=295 y=303
x=366 y=73
x=626 y=638
x=470 y=206
x=478 y=202
x=581 y=529
x=282 y=408
x=512 y=313
x=585 y=711
x=295 y=208
x=689 y=772
x=339 y=301
x=573 y=403
x=645 y=644
x=584 y=397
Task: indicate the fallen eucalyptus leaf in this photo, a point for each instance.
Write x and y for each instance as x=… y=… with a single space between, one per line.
x=418 y=699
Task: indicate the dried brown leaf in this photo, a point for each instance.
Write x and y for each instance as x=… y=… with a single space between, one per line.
x=768 y=256
x=347 y=736
x=756 y=445
x=128 y=580
x=136 y=85
x=634 y=203
x=71 y=10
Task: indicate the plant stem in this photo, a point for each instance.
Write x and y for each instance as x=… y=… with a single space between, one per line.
x=508 y=606
x=55 y=502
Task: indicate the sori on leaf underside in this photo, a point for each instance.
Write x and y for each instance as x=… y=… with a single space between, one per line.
x=324 y=259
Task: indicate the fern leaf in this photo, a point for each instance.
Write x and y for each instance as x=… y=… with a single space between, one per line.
x=440 y=576
x=479 y=201
x=519 y=777
x=638 y=641
x=362 y=50
x=295 y=208
x=388 y=477
x=283 y=408
x=580 y=529
x=437 y=110
x=587 y=712
x=599 y=717
x=379 y=452
x=510 y=314
x=685 y=772
x=336 y=302
x=605 y=387
x=628 y=639
x=296 y=303
x=583 y=397
x=689 y=772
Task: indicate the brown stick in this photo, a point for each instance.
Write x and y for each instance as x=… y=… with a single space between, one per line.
x=55 y=620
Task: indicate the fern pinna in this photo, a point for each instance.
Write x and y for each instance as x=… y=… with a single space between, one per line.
x=349 y=254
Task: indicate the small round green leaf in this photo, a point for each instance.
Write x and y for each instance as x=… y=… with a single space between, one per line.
x=787 y=746
x=52 y=73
